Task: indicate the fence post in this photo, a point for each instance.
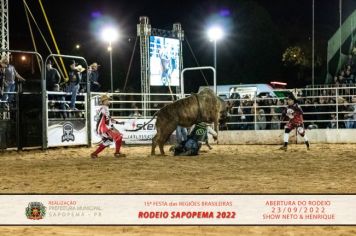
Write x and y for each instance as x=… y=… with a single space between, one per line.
x=255 y=110
x=337 y=108
x=17 y=95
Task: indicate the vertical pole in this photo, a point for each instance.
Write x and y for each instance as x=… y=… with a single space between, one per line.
x=313 y=45
x=340 y=24
x=215 y=65
x=255 y=111
x=44 y=106
x=337 y=108
x=215 y=55
x=4 y=27
x=111 y=77
x=17 y=95
x=88 y=109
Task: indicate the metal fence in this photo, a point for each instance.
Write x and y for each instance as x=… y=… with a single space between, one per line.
x=333 y=107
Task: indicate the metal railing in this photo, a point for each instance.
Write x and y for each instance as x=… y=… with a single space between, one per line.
x=335 y=109
x=45 y=102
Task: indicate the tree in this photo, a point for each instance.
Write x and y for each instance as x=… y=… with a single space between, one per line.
x=298 y=60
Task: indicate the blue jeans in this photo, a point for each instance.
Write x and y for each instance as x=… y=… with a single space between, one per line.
x=192 y=145
x=181 y=134
x=73 y=88
x=349 y=124
x=9 y=88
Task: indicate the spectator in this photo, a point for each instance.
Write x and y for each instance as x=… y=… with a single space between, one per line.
x=349 y=60
x=260 y=119
x=53 y=79
x=248 y=112
x=242 y=117
x=136 y=112
x=333 y=122
x=349 y=78
x=233 y=108
x=280 y=106
x=94 y=77
x=75 y=76
x=275 y=120
x=348 y=114
x=339 y=79
x=10 y=76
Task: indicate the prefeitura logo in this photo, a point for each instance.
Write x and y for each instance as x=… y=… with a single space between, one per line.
x=35 y=211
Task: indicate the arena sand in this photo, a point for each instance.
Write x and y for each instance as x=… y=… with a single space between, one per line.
x=225 y=169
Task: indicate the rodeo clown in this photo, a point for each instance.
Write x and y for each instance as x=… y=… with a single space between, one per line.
x=192 y=145
x=294 y=114
x=105 y=129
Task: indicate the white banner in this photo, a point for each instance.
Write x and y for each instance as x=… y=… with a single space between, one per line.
x=67 y=133
x=143 y=136
x=177 y=209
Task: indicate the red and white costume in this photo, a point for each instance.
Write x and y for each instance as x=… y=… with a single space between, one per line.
x=295 y=115
x=104 y=128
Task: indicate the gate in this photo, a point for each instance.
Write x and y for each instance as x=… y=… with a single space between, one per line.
x=19 y=125
x=62 y=125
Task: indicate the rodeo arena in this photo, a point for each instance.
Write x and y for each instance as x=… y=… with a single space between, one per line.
x=65 y=135
x=59 y=122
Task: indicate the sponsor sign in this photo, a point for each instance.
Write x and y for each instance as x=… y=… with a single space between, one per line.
x=67 y=133
x=143 y=136
x=178 y=209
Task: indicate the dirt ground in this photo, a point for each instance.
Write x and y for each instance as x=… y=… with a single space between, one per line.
x=225 y=169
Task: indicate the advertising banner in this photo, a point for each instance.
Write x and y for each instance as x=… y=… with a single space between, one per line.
x=142 y=136
x=177 y=210
x=67 y=133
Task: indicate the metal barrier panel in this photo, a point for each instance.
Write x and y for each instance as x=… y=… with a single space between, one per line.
x=30 y=107
x=66 y=127
x=63 y=125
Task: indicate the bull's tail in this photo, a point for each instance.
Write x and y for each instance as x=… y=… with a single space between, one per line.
x=133 y=130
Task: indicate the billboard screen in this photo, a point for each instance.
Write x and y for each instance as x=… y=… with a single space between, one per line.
x=164 y=61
